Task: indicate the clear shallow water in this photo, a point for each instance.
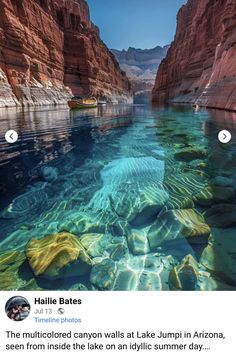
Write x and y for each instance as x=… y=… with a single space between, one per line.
x=123 y=180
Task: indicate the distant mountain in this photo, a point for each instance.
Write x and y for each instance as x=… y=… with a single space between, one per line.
x=141 y=66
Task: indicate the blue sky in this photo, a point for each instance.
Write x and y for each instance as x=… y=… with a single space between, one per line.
x=135 y=23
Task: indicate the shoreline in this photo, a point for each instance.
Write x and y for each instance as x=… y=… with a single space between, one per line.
x=177 y=103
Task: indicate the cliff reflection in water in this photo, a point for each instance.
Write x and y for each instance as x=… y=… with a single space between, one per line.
x=46 y=134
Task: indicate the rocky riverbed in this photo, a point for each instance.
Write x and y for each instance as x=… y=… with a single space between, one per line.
x=143 y=200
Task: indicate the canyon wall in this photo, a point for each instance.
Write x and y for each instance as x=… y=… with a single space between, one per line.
x=49 y=50
x=200 y=66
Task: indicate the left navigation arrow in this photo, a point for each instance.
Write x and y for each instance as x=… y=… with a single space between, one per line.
x=11 y=136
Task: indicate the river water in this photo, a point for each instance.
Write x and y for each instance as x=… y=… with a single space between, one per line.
x=149 y=193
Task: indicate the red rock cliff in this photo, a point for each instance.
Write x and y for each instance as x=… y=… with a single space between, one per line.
x=200 y=66
x=50 y=48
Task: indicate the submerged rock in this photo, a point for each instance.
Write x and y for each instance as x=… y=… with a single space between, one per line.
x=138 y=242
x=104 y=245
x=15 y=274
x=143 y=272
x=126 y=280
x=103 y=274
x=181 y=187
x=20 y=237
x=189 y=275
x=217 y=159
x=10 y=262
x=24 y=204
x=49 y=173
x=176 y=224
x=222 y=181
x=57 y=256
x=214 y=194
x=149 y=281
x=219 y=256
x=221 y=215
x=95 y=244
x=138 y=204
x=11 y=259
x=78 y=287
x=184 y=276
x=81 y=222
x=189 y=154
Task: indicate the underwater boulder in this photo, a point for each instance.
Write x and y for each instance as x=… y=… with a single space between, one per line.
x=33 y=200
x=181 y=187
x=176 y=224
x=11 y=259
x=104 y=245
x=15 y=273
x=189 y=275
x=57 y=256
x=221 y=215
x=149 y=281
x=184 y=276
x=103 y=274
x=138 y=242
x=139 y=204
x=143 y=272
x=10 y=262
x=198 y=165
x=81 y=222
x=49 y=173
x=219 y=256
x=126 y=280
x=214 y=194
x=78 y=287
x=189 y=154
x=18 y=238
x=222 y=181
x=218 y=158
x=95 y=244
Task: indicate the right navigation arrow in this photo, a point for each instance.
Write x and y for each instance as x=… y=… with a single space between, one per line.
x=224 y=136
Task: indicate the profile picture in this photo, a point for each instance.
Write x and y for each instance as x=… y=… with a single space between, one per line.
x=17 y=308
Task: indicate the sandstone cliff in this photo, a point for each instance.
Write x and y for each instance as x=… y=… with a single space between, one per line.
x=50 y=49
x=200 y=66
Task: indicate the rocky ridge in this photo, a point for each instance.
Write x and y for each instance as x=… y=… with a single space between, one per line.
x=51 y=49
x=200 y=66
x=141 y=66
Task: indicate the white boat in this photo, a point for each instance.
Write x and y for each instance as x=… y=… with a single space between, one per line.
x=102 y=102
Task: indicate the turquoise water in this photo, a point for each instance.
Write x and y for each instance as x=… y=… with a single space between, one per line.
x=131 y=197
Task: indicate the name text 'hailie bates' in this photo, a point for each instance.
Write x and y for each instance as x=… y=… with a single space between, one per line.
x=60 y=300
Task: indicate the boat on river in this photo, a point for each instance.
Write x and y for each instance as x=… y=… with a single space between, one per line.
x=102 y=102
x=81 y=103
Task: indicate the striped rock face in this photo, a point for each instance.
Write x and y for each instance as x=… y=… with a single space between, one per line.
x=58 y=255
x=178 y=224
